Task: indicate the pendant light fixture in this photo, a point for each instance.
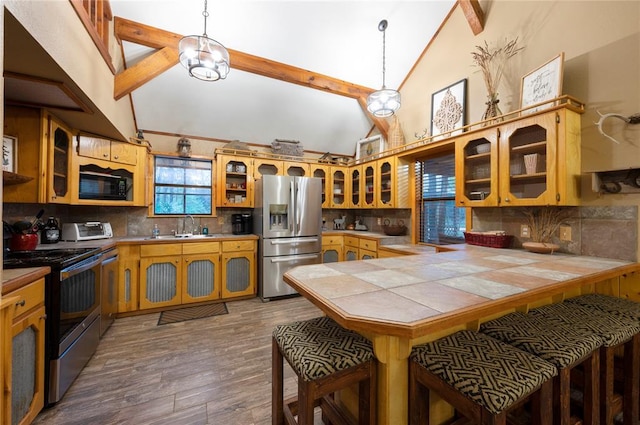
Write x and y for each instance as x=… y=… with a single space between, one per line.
x=384 y=102
x=204 y=58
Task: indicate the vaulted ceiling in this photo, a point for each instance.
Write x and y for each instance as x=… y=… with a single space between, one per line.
x=332 y=49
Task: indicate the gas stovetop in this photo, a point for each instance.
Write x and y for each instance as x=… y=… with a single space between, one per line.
x=47 y=257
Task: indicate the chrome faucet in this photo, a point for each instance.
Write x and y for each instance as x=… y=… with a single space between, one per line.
x=184 y=224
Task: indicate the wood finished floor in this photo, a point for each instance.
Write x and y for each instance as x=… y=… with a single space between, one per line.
x=215 y=370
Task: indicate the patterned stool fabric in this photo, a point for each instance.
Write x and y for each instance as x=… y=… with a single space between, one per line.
x=613 y=329
x=559 y=344
x=492 y=374
x=609 y=304
x=319 y=347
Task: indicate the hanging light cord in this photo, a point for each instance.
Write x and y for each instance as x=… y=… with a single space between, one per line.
x=382 y=26
x=206 y=15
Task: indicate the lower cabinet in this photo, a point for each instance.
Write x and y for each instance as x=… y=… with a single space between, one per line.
x=23 y=353
x=191 y=273
x=332 y=250
x=128 y=268
x=238 y=268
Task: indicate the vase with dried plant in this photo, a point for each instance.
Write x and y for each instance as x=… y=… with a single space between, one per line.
x=543 y=223
x=492 y=63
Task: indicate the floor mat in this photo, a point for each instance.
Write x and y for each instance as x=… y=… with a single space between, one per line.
x=191 y=313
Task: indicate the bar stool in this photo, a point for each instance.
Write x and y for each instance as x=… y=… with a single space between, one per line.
x=481 y=377
x=616 y=330
x=562 y=346
x=326 y=358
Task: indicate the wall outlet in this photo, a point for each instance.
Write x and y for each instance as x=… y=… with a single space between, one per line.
x=524 y=231
x=221 y=220
x=379 y=221
x=565 y=233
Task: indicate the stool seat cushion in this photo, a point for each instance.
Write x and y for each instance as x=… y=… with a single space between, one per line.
x=609 y=304
x=561 y=345
x=489 y=372
x=613 y=329
x=319 y=347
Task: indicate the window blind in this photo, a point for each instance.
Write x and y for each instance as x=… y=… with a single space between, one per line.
x=440 y=221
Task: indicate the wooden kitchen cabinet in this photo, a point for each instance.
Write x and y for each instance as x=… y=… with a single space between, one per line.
x=235 y=181
x=386 y=183
x=107 y=150
x=351 y=248
x=238 y=268
x=501 y=177
x=201 y=274
x=128 y=278
x=160 y=275
x=338 y=185
x=175 y=274
x=23 y=354
x=109 y=289
x=355 y=184
x=267 y=167
x=322 y=172
x=299 y=169
x=369 y=188
x=60 y=178
x=332 y=249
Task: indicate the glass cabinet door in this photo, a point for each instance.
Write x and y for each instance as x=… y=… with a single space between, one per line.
x=386 y=183
x=235 y=182
x=322 y=172
x=369 y=187
x=528 y=151
x=60 y=141
x=267 y=167
x=477 y=169
x=338 y=187
x=355 y=173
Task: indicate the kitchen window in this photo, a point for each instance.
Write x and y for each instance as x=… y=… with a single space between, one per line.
x=441 y=222
x=182 y=186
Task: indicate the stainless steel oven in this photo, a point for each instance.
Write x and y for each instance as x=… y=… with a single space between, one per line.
x=72 y=304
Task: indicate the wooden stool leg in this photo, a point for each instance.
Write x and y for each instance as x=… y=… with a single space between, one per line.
x=542 y=405
x=630 y=402
x=562 y=399
x=306 y=402
x=607 y=359
x=367 y=396
x=277 y=385
x=591 y=391
x=418 y=398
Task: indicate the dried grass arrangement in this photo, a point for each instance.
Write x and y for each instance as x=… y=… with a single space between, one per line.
x=544 y=222
x=492 y=63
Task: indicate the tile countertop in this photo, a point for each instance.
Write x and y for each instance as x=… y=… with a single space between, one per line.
x=411 y=296
x=13 y=279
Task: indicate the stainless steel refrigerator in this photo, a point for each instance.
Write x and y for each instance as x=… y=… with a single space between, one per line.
x=288 y=219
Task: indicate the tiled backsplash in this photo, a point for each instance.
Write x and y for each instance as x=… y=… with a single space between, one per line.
x=610 y=231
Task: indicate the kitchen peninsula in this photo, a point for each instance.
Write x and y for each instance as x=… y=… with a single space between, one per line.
x=400 y=302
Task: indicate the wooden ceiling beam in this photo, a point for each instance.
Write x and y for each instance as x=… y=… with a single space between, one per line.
x=380 y=123
x=474 y=14
x=167 y=56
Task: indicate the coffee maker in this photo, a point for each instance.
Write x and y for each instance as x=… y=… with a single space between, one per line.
x=241 y=224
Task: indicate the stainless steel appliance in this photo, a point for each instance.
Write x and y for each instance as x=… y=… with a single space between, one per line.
x=97 y=185
x=288 y=219
x=241 y=224
x=72 y=304
x=86 y=231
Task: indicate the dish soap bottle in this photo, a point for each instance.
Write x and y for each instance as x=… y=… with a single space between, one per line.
x=50 y=232
x=156 y=232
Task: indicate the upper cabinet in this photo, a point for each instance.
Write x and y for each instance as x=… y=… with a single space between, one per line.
x=59 y=141
x=322 y=172
x=107 y=150
x=338 y=187
x=235 y=181
x=530 y=161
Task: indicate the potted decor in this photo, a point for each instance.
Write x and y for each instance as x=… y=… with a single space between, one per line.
x=492 y=62
x=543 y=223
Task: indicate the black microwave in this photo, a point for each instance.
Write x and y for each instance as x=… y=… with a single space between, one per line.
x=102 y=186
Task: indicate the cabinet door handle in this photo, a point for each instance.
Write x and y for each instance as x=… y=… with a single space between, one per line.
x=115 y=157
x=105 y=155
x=20 y=303
x=506 y=199
x=43 y=317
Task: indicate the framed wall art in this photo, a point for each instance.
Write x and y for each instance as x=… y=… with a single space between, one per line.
x=370 y=146
x=542 y=84
x=448 y=109
x=10 y=154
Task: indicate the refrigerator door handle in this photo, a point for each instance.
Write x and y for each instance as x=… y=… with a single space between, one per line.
x=294 y=258
x=293 y=241
x=292 y=205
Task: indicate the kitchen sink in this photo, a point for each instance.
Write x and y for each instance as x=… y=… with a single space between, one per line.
x=181 y=236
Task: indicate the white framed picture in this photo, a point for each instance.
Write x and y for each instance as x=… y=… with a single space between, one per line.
x=10 y=154
x=370 y=146
x=542 y=84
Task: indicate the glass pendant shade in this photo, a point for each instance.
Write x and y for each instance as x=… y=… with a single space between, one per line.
x=204 y=58
x=383 y=103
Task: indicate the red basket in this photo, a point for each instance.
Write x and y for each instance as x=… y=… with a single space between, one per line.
x=492 y=241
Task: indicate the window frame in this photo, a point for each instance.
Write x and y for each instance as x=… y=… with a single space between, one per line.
x=152 y=185
x=420 y=199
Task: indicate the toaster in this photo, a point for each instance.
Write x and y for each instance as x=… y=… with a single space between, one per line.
x=88 y=231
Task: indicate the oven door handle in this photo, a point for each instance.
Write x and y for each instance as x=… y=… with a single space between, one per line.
x=294 y=258
x=84 y=265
